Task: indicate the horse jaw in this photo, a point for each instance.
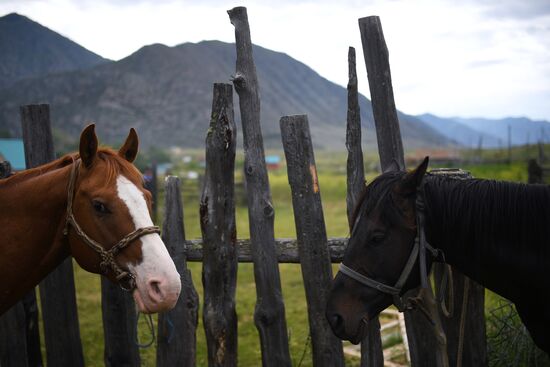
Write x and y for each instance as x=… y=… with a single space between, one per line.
x=157 y=280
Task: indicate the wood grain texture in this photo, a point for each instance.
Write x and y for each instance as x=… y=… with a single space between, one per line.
x=420 y=332
x=286 y=250
x=217 y=219
x=311 y=237
x=375 y=51
x=57 y=291
x=13 y=339
x=474 y=351
x=269 y=315
x=119 y=326
x=371 y=346
x=177 y=338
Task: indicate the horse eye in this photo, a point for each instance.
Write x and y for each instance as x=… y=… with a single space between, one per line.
x=377 y=238
x=99 y=207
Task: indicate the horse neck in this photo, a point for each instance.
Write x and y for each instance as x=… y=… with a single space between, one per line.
x=495 y=232
x=34 y=208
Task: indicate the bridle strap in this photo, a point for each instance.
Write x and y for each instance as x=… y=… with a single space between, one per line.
x=396 y=289
x=418 y=252
x=368 y=281
x=108 y=257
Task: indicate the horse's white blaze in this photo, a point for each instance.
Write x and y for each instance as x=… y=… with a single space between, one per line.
x=156 y=265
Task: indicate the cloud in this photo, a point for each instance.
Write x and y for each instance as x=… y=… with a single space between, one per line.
x=474 y=57
x=515 y=9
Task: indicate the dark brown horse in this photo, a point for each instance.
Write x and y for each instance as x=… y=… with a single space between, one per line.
x=497 y=233
x=91 y=205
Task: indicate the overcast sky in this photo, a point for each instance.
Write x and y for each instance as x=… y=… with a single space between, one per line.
x=484 y=58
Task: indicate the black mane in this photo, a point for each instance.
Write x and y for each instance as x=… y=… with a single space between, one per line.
x=484 y=222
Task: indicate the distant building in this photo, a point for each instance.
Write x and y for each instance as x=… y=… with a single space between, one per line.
x=13 y=151
x=273 y=161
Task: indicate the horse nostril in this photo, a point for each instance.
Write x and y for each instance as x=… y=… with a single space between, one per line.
x=155 y=292
x=335 y=320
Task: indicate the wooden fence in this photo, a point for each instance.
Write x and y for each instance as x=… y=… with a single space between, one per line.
x=220 y=251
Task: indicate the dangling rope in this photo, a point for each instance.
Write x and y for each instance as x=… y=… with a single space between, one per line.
x=149 y=321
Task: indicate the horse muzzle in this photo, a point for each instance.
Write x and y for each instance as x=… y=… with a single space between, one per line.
x=156 y=294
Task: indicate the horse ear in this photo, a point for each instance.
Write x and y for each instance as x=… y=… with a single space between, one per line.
x=393 y=167
x=88 y=145
x=412 y=180
x=129 y=150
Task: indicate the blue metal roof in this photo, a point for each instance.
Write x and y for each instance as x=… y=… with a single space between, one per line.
x=12 y=150
x=272 y=159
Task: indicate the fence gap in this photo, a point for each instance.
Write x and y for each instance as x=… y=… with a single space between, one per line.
x=311 y=237
x=57 y=290
x=177 y=338
x=217 y=218
x=269 y=315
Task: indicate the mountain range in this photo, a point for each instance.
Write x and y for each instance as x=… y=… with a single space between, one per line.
x=166 y=92
x=489 y=133
x=30 y=50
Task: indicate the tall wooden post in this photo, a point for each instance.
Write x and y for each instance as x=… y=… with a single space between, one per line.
x=388 y=134
x=119 y=326
x=177 y=338
x=371 y=346
x=312 y=237
x=13 y=337
x=390 y=147
x=269 y=315
x=57 y=291
x=217 y=214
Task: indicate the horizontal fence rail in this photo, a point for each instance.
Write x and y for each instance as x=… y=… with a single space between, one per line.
x=286 y=249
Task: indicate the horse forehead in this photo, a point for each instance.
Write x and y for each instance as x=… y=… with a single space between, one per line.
x=134 y=199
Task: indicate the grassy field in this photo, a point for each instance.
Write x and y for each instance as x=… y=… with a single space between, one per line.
x=332 y=179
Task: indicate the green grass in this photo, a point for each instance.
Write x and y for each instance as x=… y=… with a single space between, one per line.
x=332 y=180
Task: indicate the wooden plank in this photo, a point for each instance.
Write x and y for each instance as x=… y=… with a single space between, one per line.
x=312 y=237
x=375 y=51
x=269 y=315
x=355 y=168
x=286 y=250
x=57 y=291
x=421 y=337
x=474 y=350
x=217 y=218
x=177 y=328
x=371 y=346
x=13 y=338
x=119 y=326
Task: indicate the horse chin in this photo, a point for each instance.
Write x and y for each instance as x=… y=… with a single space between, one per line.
x=361 y=332
x=140 y=304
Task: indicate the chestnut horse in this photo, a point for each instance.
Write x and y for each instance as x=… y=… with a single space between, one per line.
x=91 y=205
x=495 y=232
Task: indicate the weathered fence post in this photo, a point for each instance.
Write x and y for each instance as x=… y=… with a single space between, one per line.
x=534 y=172
x=269 y=315
x=13 y=337
x=119 y=326
x=57 y=291
x=217 y=218
x=177 y=327
x=469 y=344
x=390 y=148
x=371 y=347
x=312 y=237
x=388 y=134
x=13 y=328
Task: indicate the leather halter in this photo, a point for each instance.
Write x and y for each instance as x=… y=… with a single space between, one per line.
x=125 y=279
x=418 y=252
